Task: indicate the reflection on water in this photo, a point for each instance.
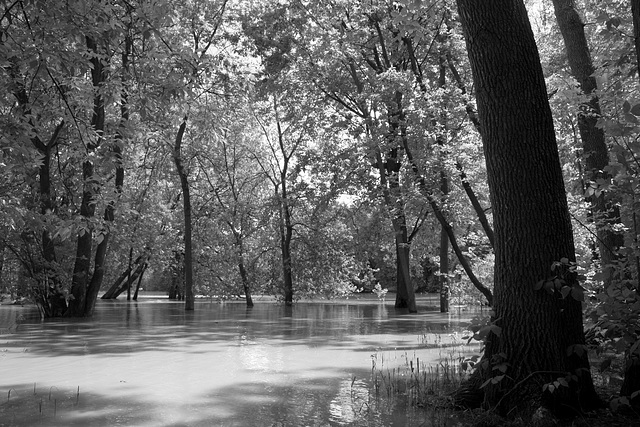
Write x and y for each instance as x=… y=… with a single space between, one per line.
x=151 y=363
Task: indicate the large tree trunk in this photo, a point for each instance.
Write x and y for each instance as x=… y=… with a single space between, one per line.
x=604 y=212
x=541 y=334
x=189 y=301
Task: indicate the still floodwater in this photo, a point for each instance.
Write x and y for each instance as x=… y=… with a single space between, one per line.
x=153 y=364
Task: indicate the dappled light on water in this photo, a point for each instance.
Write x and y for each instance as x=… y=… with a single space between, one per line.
x=151 y=363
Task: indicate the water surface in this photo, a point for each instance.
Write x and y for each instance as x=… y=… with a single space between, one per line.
x=150 y=363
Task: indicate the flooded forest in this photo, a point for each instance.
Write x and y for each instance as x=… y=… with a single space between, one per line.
x=291 y=212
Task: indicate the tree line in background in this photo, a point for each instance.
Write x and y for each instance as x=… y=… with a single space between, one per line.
x=305 y=149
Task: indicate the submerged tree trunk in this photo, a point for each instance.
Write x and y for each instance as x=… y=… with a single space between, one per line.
x=139 y=282
x=80 y=282
x=189 y=301
x=395 y=200
x=109 y=213
x=125 y=284
x=537 y=336
x=128 y=276
x=244 y=277
x=245 y=283
x=405 y=294
x=286 y=233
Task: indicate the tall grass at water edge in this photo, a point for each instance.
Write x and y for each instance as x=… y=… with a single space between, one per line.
x=401 y=378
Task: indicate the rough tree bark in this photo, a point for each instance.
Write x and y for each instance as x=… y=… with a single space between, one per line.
x=541 y=334
x=189 y=301
x=605 y=213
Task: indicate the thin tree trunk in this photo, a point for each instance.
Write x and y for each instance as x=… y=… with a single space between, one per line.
x=446 y=227
x=80 y=281
x=241 y=268
x=444 y=254
x=139 y=282
x=53 y=301
x=635 y=14
x=186 y=198
x=473 y=117
x=606 y=214
x=631 y=382
x=477 y=207
x=113 y=290
x=129 y=276
x=286 y=226
x=531 y=219
x=3 y=287
x=422 y=185
x=109 y=213
x=405 y=295
x=109 y=294
x=245 y=283
x=286 y=233
x=444 y=190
